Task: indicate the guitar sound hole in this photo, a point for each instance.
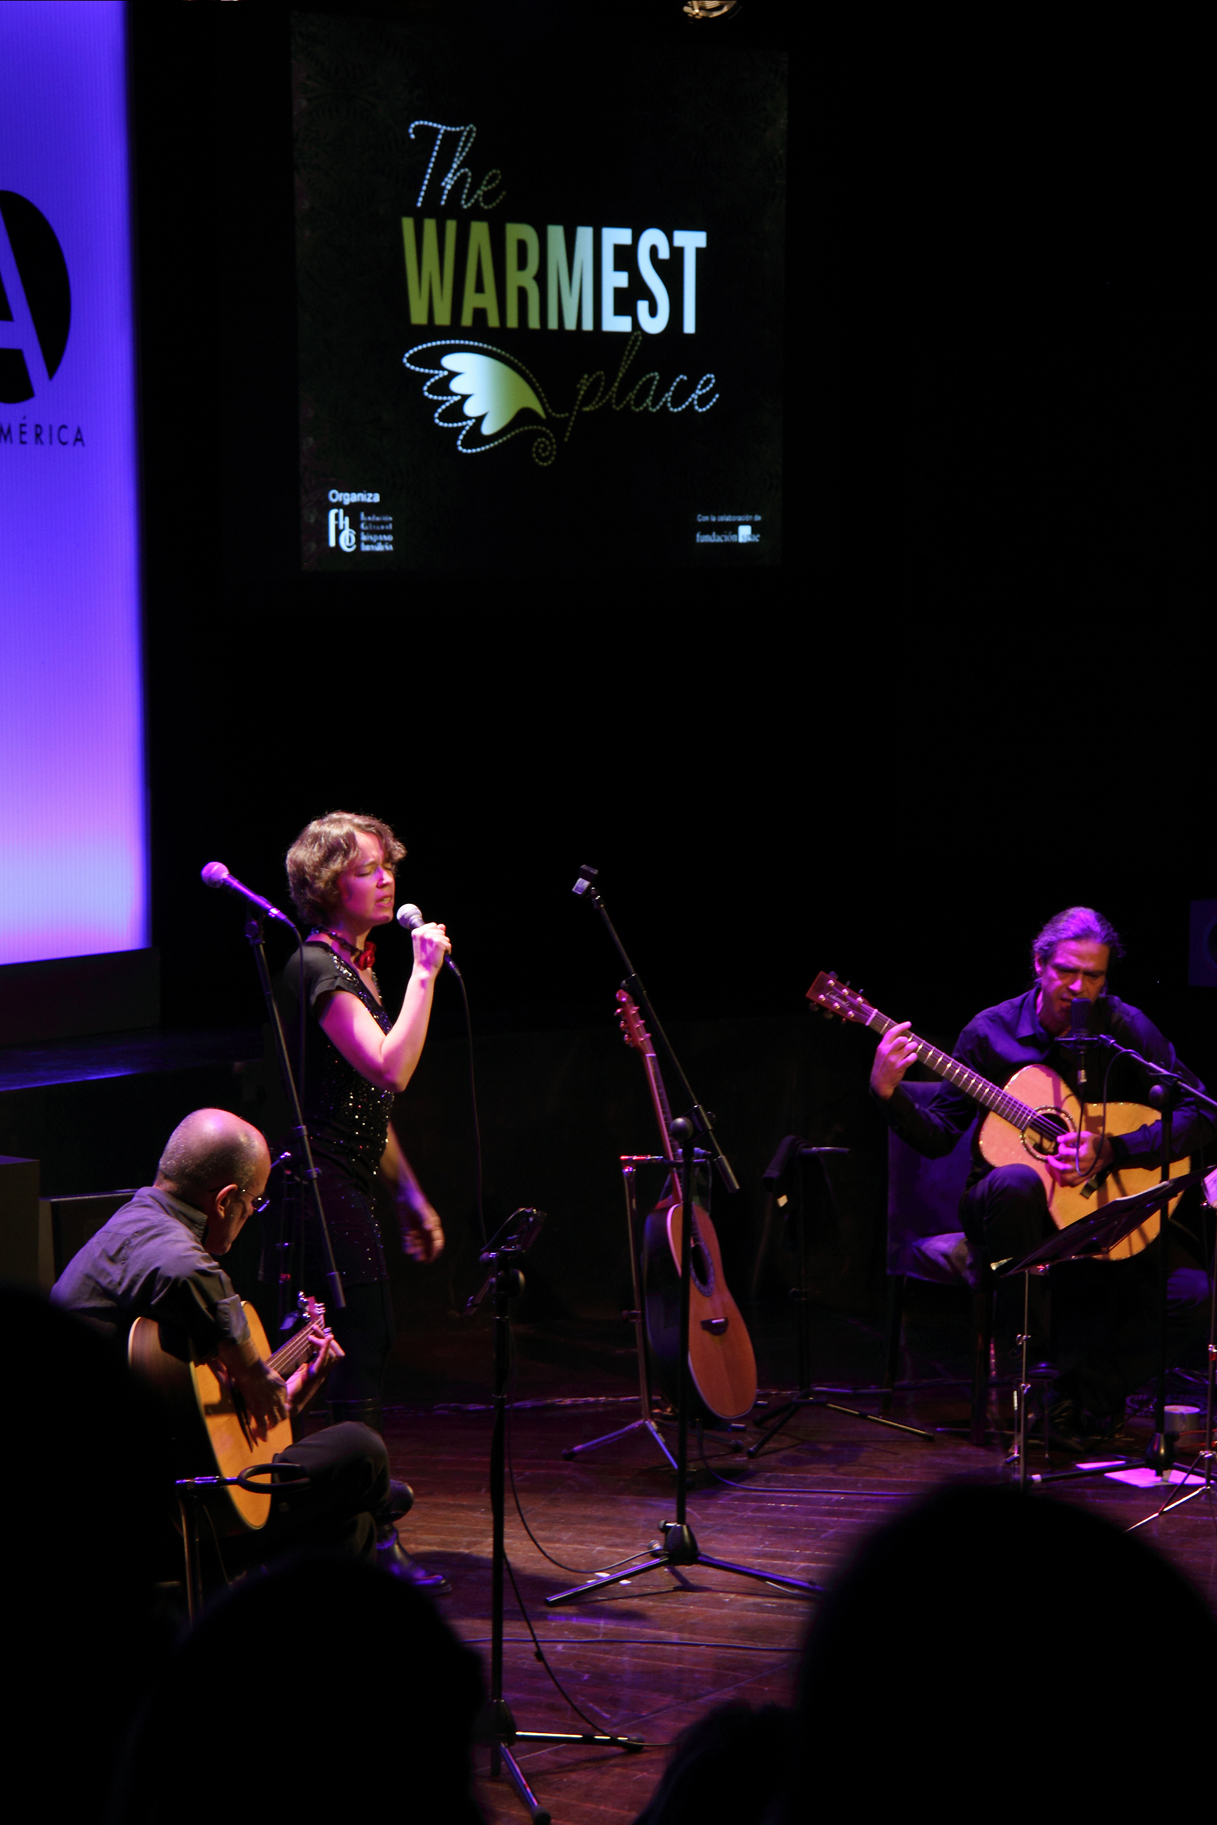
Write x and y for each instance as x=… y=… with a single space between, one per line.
x=701 y=1267
x=1041 y=1135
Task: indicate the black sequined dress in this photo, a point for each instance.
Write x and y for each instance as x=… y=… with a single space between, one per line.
x=347 y=1119
x=348 y=1124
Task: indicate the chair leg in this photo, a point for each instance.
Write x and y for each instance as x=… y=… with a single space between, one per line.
x=982 y=1344
x=895 y=1319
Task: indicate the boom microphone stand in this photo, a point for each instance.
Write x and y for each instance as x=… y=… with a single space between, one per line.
x=678 y=1546
x=216 y=875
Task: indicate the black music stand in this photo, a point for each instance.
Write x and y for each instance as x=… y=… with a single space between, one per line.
x=793 y=1149
x=1079 y=1242
x=630 y=1162
x=1207 y=1455
x=502 y=1256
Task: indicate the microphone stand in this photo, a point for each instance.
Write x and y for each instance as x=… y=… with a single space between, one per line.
x=677 y=1546
x=301 y=1149
x=585 y=888
x=504 y=1281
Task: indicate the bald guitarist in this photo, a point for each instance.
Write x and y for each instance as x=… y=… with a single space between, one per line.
x=158 y=1258
x=1101 y=1326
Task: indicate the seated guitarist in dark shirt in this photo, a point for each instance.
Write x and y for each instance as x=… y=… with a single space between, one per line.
x=157 y=1258
x=1101 y=1325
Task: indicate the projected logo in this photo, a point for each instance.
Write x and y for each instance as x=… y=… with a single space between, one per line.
x=487 y=384
x=35 y=299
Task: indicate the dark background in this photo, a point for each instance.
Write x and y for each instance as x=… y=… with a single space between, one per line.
x=976 y=691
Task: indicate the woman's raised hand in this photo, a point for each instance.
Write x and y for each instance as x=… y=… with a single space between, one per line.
x=431 y=946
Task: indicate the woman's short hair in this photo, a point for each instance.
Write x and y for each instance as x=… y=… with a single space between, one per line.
x=321 y=852
x=1075 y=923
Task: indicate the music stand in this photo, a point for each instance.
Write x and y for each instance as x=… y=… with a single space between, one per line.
x=630 y=1162
x=794 y=1149
x=1079 y=1242
x=1207 y=1453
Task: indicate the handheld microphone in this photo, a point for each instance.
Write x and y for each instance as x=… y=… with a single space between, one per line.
x=216 y=875
x=410 y=918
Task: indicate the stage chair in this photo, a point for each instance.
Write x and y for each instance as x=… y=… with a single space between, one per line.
x=925 y=1242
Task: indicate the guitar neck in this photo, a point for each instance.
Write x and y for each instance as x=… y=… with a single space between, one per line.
x=287 y=1360
x=1008 y=1107
x=663 y=1115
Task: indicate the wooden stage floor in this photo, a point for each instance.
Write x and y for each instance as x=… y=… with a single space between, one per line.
x=648 y=1657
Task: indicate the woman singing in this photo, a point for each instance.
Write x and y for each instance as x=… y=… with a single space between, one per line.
x=340 y=872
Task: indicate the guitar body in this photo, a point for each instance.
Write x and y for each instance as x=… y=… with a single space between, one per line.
x=212 y=1435
x=722 y=1366
x=721 y=1360
x=1003 y=1145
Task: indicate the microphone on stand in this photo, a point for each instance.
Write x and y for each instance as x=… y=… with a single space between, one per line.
x=1087 y=1023
x=216 y=875
x=410 y=918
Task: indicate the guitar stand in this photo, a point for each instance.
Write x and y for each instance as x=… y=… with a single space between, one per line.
x=807 y=1395
x=645 y=1421
x=190 y=1493
x=504 y=1281
x=678 y=1545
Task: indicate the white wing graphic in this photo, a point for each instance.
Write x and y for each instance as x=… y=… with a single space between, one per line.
x=473 y=382
x=495 y=392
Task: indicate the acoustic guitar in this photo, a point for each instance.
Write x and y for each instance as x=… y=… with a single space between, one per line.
x=212 y=1428
x=1026 y=1120
x=721 y=1360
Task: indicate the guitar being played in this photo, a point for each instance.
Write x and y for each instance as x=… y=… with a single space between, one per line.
x=152 y=1275
x=1053 y=1147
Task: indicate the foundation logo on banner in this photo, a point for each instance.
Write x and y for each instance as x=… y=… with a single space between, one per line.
x=35 y=300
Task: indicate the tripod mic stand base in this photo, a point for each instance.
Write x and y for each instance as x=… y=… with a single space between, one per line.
x=680 y=1548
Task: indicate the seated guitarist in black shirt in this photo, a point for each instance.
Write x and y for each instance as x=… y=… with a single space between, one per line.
x=157 y=1258
x=1101 y=1328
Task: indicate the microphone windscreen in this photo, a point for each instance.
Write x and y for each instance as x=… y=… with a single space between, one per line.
x=214 y=875
x=408 y=916
x=1088 y=1018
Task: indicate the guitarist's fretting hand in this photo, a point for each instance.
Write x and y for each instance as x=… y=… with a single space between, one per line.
x=896 y=1052
x=302 y=1386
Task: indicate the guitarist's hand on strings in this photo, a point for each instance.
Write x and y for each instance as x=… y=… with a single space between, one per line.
x=302 y=1386
x=264 y=1394
x=896 y=1052
x=1077 y=1156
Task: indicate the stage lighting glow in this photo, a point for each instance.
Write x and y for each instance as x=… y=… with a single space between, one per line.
x=71 y=731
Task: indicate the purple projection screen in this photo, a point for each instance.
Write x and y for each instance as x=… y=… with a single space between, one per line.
x=72 y=813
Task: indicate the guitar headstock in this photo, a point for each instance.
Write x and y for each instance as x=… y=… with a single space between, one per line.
x=311 y=1310
x=834 y=997
x=632 y=1026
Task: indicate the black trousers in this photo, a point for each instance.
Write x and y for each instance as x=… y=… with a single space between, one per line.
x=1097 y=1319
x=347 y=1497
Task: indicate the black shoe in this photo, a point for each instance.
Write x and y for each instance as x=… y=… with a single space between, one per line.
x=392 y=1557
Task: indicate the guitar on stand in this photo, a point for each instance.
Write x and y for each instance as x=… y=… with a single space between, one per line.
x=721 y=1359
